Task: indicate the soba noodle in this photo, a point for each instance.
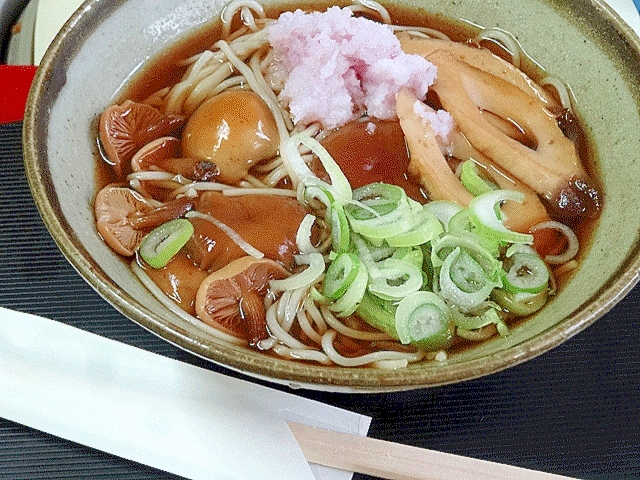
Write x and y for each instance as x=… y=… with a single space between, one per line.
x=302 y=325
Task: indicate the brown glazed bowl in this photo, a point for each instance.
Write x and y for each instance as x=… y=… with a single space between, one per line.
x=583 y=42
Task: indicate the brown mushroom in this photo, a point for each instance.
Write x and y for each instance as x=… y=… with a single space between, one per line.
x=381 y=154
x=165 y=212
x=164 y=154
x=124 y=217
x=232 y=298
x=234 y=130
x=125 y=128
x=267 y=222
x=179 y=280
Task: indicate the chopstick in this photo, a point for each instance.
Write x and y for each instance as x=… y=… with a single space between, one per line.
x=400 y=462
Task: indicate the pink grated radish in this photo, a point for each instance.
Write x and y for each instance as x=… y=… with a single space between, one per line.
x=441 y=123
x=339 y=67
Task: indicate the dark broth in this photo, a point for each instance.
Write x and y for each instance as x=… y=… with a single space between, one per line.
x=162 y=72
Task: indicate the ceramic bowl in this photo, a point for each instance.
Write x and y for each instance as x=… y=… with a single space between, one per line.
x=582 y=42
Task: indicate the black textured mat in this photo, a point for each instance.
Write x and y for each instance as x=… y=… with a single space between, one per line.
x=573 y=411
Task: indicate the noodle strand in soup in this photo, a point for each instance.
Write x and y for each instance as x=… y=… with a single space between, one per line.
x=374 y=278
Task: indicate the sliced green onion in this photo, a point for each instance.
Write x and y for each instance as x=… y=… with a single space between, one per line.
x=415 y=206
x=301 y=174
x=473 y=181
x=303 y=236
x=473 y=245
x=382 y=314
x=339 y=183
x=364 y=253
x=395 y=279
x=340 y=275
x=474 y=322
x=415 y=256
x=461 y=226
x=423 y=319
x=379 y=211
x=380 y=252
x=520 y=248
x=428 y=269
x=463 y=281
x=478 y=335
x=461 y=222
x=527 y=273
x=316 y=296
x=573 y=245
x=427 y=227
x=444 y=210
x=378 y=313
x=465 y=272
x=486 y=220
x=381 y=197
x=379 y=229
x=323 y=194
x=340 y=233
x=348 y=303
x=160 y=245
x=307 y=277
x=503 y=329
x=520 y=304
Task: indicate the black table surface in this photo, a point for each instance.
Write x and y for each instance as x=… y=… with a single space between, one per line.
x=572 y=411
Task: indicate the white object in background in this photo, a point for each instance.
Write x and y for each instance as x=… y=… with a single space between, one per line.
x=50 y=17
x=627 y=11
x=38 y=24
x=20 y=45
x=153 y=410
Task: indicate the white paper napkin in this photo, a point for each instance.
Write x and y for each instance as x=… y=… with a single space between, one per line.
x=156 y=411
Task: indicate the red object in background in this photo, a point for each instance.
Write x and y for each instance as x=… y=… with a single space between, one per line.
x=15 y=81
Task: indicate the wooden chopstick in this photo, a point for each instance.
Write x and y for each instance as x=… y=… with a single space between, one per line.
x=400 y=462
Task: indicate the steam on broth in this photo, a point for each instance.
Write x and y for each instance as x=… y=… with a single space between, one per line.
x=376 y=196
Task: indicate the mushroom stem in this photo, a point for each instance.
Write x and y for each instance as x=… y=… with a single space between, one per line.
x=164 y=152
x=168 y=211
x=253 y=312
x=125 y=128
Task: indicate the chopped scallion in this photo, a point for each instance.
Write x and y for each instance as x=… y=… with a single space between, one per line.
x=165 y=241
x=423 y=319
